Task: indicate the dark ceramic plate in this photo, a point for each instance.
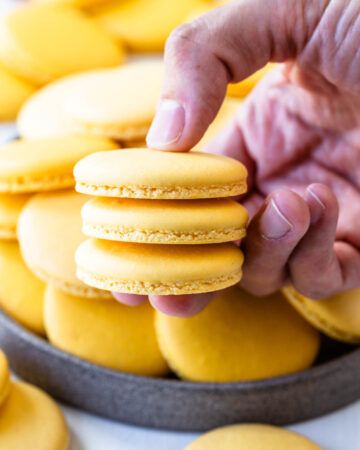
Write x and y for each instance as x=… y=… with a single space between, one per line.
x=179 y=405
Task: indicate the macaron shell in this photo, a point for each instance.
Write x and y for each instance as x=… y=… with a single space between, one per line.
x=21 y=293
x=104 y=332
x=238 y=337
x=29 y=416
x=158 y=269
x=13 y=93
x=244 y=88
x=132 y=21
x=152 y=174
x=44 y=164
x=10 y=209
x=118 y=103
x=252 y=437
x=77 y=44
x=49 y=232
x=164 y=221
x=337 y=316
x=4 y=378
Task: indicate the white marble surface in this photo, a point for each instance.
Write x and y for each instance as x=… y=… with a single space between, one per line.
x=337 y=431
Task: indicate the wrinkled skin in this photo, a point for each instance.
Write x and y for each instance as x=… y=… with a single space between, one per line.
x=298 y=133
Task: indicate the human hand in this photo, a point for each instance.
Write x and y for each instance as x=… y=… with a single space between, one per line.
x=298 y=133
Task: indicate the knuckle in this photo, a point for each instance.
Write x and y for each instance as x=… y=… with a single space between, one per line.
x=181 y=39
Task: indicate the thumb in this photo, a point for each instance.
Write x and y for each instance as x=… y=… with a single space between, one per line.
x=225 y=45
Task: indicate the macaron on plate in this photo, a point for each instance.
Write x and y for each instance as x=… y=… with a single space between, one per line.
x=182 y=405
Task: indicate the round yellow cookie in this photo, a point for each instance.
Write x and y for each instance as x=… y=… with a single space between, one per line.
x=118 y=103
x=144 y=25
x=10 y=209
x=238 y=337
x=244 y=88
x=21 y=293
x=104 y=332
x=13 y=93
x=42 y=43
x=29 y=418
x=152 y=174
x=337 y=316
x=4 y=379
x=165 y=221
x=158 y=269
x=49 y=232
x=252 y=437
x=44 y=164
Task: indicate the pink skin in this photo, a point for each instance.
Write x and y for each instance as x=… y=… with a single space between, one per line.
x=298 y=133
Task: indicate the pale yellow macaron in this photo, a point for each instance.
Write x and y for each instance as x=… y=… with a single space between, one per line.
x=144 y=25
x=42 y=43
x=225 y=116
x=75 y=3
x=104 y=332
x=244 y=88
x=21 y=293
x=10 y=209
x=13 y=93
x=158 y=269
x=252 y=437
x=238 y=337
x=44 y=164
x=337 y=316
x=4 y=379
x=164 y=221
x=30 y=419
x=152 y=174
x=118 y=103
x=49 y=232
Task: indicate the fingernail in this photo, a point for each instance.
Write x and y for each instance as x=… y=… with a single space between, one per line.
x=273 y=223
x=167 y=126
x=316 y=206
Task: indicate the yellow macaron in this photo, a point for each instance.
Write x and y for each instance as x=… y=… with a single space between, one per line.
x=21 y=293
x=29 y=418
x=118 y=103
x=244 y=88
x=337 y=316
x=74 y=3
x=42 y=43
x=10 y=209
x=152 y=174
x=164 y=221
x=104 y=332
x=158 y=269
x=144 y=25
x=238 y=337
x=44 y=164
x=252 y=437
x=4 y=379
x=13 y=93
x=49 y=232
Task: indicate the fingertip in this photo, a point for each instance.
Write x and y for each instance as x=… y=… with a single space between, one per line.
x=181 y=305
x=322 y=202
x=129 y=299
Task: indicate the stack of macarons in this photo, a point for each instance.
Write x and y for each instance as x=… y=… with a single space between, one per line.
x=161 y=223
x=28 y=416
x=40 y=43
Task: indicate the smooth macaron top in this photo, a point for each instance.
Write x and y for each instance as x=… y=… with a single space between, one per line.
x=158 y=269
x=164 y=221
x=252 y=437
x=238 y=337
x=49 y=233
x=337 y=316
x=10 y=209
x=152 y=174
x=44 y=164
x=42 y=43
x=4 y=377
x=118 y=103
x=104 y=332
